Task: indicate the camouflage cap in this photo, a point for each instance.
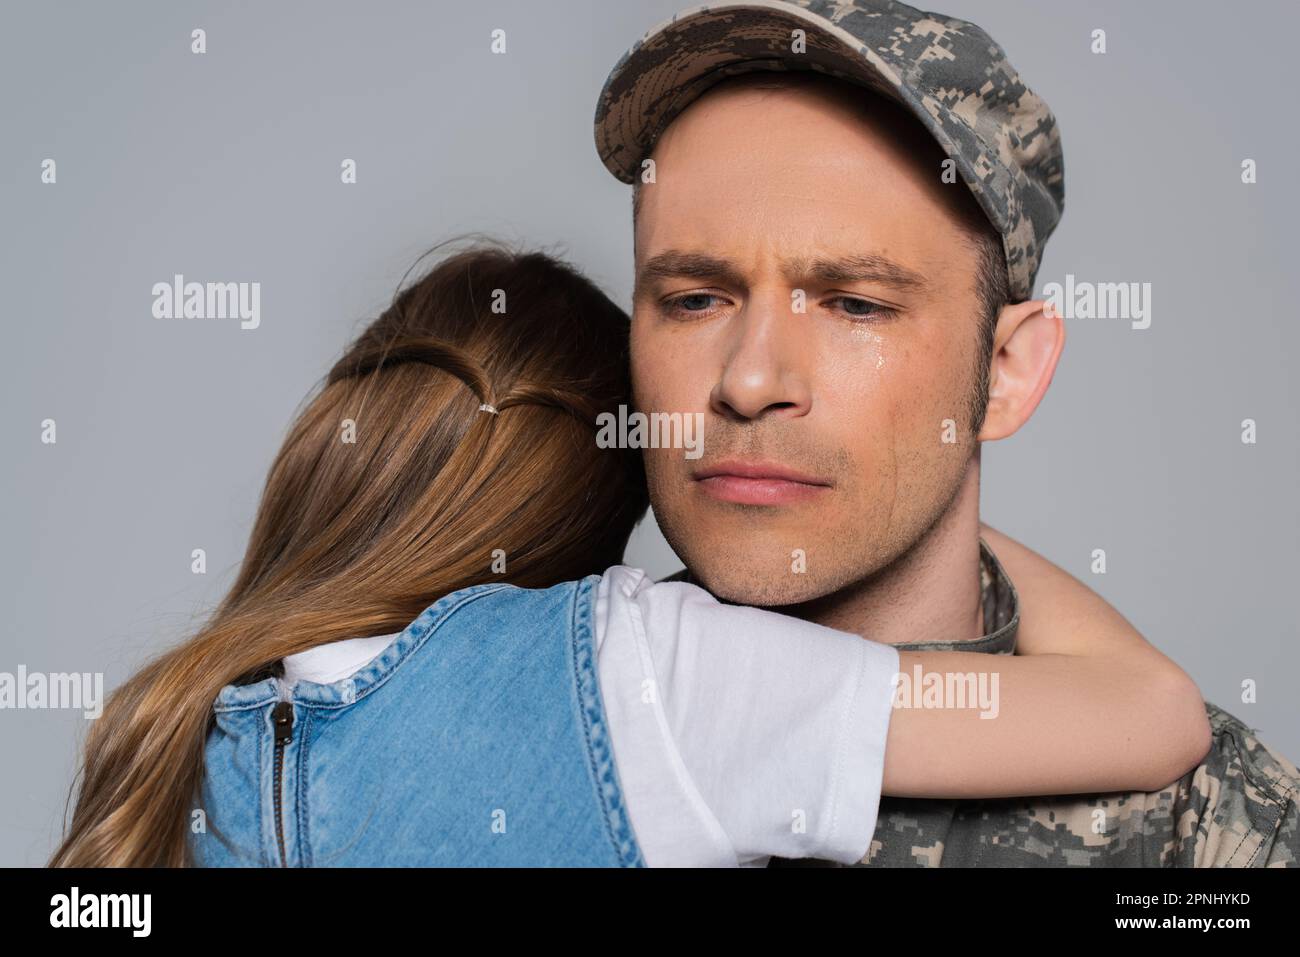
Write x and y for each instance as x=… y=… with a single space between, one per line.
x=949 y=73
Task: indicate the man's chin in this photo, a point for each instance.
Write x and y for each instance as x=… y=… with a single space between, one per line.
x=761 y=587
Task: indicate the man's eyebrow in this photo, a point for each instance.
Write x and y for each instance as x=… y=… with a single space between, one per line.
x=676 y=264
x=863 y=268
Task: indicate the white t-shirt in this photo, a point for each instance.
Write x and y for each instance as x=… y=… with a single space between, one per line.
x=738 y=733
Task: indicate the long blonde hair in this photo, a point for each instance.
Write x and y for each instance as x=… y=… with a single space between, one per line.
x=356 y=538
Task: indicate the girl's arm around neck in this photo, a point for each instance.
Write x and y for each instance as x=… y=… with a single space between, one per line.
x=1086 y=705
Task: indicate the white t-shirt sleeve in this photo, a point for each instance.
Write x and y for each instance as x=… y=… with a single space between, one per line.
x=740 y=733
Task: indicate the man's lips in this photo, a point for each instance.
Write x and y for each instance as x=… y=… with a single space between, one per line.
x=748 y=482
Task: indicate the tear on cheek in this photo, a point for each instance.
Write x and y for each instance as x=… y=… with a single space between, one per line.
x=873 y=348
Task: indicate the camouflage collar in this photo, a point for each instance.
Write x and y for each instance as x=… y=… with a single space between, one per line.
x=1001 y=612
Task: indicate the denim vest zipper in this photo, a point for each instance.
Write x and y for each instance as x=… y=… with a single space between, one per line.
x=282 y=720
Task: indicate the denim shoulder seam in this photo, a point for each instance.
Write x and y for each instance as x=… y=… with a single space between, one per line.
x=375 y=673
x=301 y=838
x=415 y=639
x=250 y=697
x=595 y=728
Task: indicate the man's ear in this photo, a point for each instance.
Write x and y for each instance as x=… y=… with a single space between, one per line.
x=1026 y=346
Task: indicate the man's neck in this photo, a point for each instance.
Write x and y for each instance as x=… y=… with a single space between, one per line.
x=929 y=593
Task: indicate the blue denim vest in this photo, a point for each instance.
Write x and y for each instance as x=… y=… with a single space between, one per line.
x=476 y=738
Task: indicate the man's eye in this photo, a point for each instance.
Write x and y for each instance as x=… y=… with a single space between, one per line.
x=693 y=302
x=858 y=308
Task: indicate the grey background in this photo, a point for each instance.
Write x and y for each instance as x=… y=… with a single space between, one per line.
x=225 y=167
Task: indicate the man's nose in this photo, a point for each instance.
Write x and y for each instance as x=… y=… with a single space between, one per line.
x=763 y=371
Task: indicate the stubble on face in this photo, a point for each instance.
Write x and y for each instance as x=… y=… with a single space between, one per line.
x=876 y=510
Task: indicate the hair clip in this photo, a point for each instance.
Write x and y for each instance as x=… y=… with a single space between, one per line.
x=488 y=408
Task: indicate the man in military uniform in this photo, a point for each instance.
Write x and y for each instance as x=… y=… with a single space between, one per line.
x=913 y=141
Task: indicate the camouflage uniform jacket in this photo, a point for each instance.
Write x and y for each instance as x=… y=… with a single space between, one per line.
x=1237 y=808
